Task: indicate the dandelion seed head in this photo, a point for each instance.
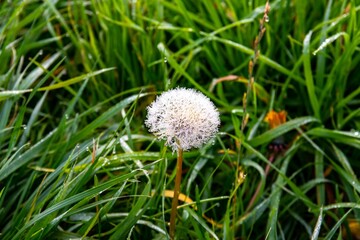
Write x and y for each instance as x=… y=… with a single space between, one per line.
x=183 y=117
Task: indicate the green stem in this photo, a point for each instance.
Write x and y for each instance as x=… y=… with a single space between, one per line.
x=176 y=192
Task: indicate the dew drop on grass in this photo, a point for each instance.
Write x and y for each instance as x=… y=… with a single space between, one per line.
x=114 y=151
x=41 y=52
x=87 y=149
x=185 y=215
x=266 y=18
x=24 y=127
x=355 y=133
x=165 y=60
x=66 y=117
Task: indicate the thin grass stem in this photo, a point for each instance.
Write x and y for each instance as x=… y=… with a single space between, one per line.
x=257 y=191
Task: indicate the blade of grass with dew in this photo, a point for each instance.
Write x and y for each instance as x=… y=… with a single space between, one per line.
x=90 y=193
x=74 y=80
x=319 y=174
x=12 y=93
x=202 y=223
x=320 y=61
x=70 y=182
x=262 y=58
x=183 y=72
x=309 y=77
x=340 y=136
x=280 y=130
x=261 y=172
x=317 y=227
x=344 y=161
x=333 y=230
x=250 y=218
x=276 y=193
x=123 y=229
x=105 y=116
x=26 y=157
x=35 y=74
x=288 y=181
x=87 y=227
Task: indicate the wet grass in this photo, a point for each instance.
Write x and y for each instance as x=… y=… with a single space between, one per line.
x=76 y=160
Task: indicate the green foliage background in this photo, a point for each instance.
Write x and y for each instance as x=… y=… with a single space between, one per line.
x=77 y=162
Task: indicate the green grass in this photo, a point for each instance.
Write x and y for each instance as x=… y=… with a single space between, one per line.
x=76 y=160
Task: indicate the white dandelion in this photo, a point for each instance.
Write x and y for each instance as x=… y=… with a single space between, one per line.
x=183 y=117
x=186 y=119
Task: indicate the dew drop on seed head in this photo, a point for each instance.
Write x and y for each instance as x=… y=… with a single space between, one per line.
x=266 y=18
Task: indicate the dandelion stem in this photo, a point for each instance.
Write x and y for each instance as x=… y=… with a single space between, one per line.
x=176 y=192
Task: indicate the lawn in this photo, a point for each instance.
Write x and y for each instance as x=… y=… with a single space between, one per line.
x=77 y=157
